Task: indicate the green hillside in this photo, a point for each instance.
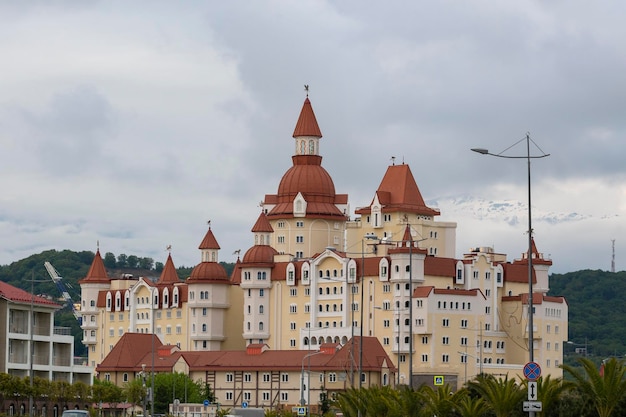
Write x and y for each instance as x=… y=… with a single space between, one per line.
x=597 y=312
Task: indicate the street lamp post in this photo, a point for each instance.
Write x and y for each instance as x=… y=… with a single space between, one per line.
x=145 y=391
x=303 y=401
x=528 y=157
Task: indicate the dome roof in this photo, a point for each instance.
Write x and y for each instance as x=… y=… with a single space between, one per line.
x=260 y=254
x=208 y=271
x=308 y=178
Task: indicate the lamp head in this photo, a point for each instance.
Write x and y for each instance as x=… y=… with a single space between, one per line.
x=481 y=150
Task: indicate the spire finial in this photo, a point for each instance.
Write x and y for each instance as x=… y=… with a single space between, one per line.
x=98 y=244
x=209 y=223
x=393 y=160
x=169 y=248
x=306 y=88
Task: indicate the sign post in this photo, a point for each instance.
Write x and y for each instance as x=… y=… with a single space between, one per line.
x=532 y=372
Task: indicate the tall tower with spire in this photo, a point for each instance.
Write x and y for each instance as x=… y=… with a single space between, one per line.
x=306 y=213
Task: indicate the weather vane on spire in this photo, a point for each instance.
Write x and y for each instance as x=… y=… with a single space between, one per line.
x=169 y=248
x=306 y=88
x=209 y=223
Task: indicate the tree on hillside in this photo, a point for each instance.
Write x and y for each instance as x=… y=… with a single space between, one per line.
x=122 y=260
x=132 y=261
x=109 y=260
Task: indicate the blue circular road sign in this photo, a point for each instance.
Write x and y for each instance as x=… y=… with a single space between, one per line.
x=532 y=371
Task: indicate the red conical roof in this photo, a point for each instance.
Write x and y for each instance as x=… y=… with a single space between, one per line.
x=97 y=274
x=307 y=123
x=169 y=274
x=262 y=225
x=209 y=241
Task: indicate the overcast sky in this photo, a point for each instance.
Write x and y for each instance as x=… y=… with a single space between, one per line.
x=132 y=124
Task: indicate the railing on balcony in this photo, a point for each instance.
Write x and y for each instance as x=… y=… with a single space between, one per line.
x=63 y=331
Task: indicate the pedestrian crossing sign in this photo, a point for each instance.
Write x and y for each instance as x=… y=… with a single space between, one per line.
x=438 y=380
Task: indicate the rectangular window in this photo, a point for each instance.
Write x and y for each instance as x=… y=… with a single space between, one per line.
x=284 y=377
x=293 y=292
x=229 y=395
x=424 y=340
x=247 y=377
x=281 y=239
x=299 y=239
x=445 y=322
x=424 y=357
x=299 y=223
x=266 y=377
x=229 y=377
x=265 y=395
x=445 y=340
x=284 y=396
x=445 y=358
x=464 y=324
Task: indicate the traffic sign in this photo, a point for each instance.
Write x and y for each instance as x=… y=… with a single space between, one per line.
x=532 y=391
x=302 y=411
x=206 y=402
x=438 y=380
x=533 y=406
x=244 y=404
x=532 y=371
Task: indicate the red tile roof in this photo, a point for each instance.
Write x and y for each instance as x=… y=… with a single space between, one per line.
x=440 y=267
x=307 y=123
x=17 y=295
x=97 y=274
x=130 y=352
x=398 y=191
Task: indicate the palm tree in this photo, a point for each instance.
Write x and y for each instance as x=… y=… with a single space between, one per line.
x=504 y=396
x=472 y=407
x=603 y=389
x=409 y=401
x=437 y=401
